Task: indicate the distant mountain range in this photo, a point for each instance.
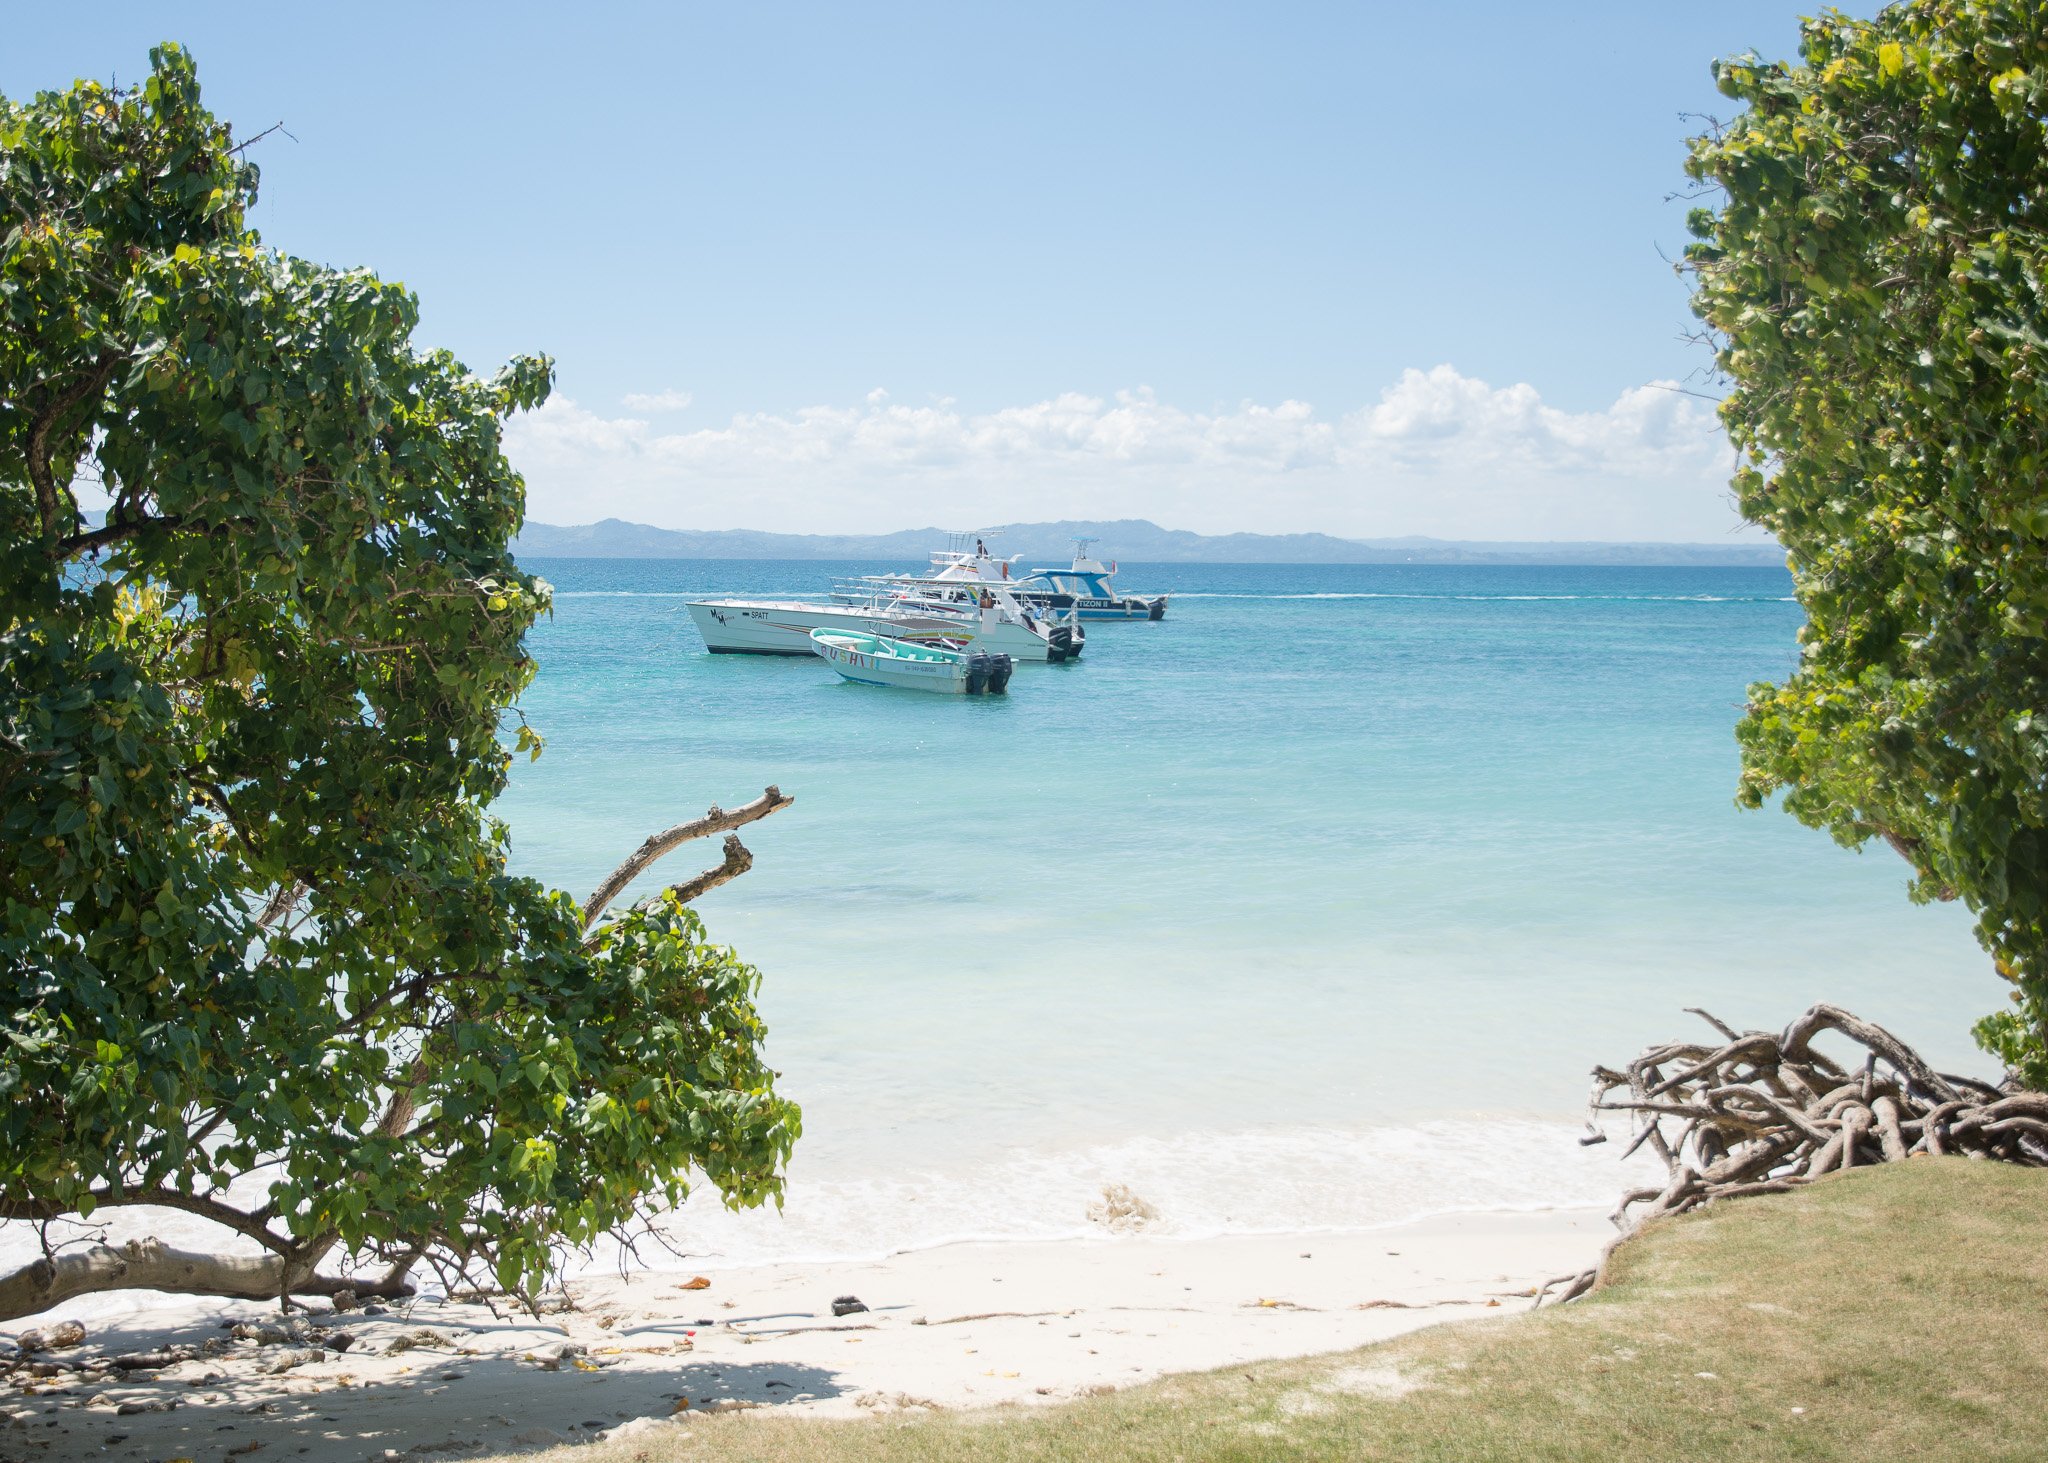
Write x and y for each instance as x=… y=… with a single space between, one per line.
x=1134 y=539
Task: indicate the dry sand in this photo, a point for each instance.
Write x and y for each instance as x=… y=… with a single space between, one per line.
x=962 y=1326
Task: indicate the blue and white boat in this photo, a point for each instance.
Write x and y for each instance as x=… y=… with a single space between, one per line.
x=877 y=660
x=1087 y=588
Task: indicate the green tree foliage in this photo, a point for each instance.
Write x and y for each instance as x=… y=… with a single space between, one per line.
x=260 y=953
x=1874 y=278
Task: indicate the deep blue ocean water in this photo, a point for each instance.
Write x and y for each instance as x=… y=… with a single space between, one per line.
x=1308 y=906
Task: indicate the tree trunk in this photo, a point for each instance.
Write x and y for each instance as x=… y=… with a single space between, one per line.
x=150 y=1264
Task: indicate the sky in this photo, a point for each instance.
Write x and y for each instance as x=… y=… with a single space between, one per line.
x=1361 y=269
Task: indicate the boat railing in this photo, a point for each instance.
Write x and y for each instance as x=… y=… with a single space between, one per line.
x=860 y=592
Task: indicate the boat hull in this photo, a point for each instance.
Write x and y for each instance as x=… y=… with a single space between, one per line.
x=874 y=660
x=779 y=627
x=1095 y=609
x=874 y=670
x=776 y=627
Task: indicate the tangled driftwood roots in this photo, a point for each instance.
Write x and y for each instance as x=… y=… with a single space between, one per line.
x=1763 y=1112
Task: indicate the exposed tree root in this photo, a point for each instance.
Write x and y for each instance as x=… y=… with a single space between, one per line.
x=1760 y=1113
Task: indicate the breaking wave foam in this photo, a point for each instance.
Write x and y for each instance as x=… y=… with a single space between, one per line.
x=1280 y=1181
x=1204 y=1184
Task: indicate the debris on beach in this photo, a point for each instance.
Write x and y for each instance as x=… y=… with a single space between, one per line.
x=421 y=1337
x=301 y=1356
x=846 y=1305
x=696 y=1282
x=57 y=1338
x=641 y=1427
x=150 y=1361
x=1120 y=1210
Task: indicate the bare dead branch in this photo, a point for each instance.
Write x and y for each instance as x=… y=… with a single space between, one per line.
x=717 y=820
x=737 y=862
x=248 y=142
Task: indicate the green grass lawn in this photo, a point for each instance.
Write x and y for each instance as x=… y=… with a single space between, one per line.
x=1889 y=1313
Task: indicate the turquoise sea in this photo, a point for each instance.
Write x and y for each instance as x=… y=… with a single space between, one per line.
x=1308 y=907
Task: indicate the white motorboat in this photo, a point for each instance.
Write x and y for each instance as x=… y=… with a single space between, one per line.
x=1084 y=591
x=878 y=660
x=990 y=620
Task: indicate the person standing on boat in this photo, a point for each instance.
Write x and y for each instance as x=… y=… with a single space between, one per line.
x=980 y=549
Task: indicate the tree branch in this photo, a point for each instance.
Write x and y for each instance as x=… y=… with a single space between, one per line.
x=248 y=142
x=737 y=862
x=717 y=820
x=403 y=1102
x=45 y=422
x=221 y=1214
x=1908 y=848
x=281 y=903
x=150 y=1264
x=110 y=533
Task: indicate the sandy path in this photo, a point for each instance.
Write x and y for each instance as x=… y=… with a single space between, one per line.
x=963 y=1326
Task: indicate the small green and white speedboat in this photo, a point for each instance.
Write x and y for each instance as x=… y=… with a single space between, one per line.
x=876 y=660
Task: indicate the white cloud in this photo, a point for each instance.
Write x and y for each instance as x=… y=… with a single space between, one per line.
x=1439 y=453
x=659 y=401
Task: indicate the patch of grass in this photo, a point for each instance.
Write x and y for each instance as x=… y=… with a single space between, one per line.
x=1887 y=1313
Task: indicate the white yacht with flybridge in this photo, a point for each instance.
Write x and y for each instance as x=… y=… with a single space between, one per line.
x=1086 y=588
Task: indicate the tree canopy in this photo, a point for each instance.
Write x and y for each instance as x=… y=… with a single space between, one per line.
x=261 y=955
x=1873 y=275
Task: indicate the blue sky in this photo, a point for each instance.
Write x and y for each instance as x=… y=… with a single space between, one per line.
x=1361 y=268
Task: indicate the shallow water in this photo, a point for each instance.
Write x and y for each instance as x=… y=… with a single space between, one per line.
x=1307 y=907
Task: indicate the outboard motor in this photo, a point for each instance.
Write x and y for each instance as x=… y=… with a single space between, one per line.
x=1157 y=611
x=980 y=664
x=999 y=674
x=1059 y=644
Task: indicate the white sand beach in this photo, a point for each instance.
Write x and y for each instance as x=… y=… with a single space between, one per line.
x=955 y=1327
